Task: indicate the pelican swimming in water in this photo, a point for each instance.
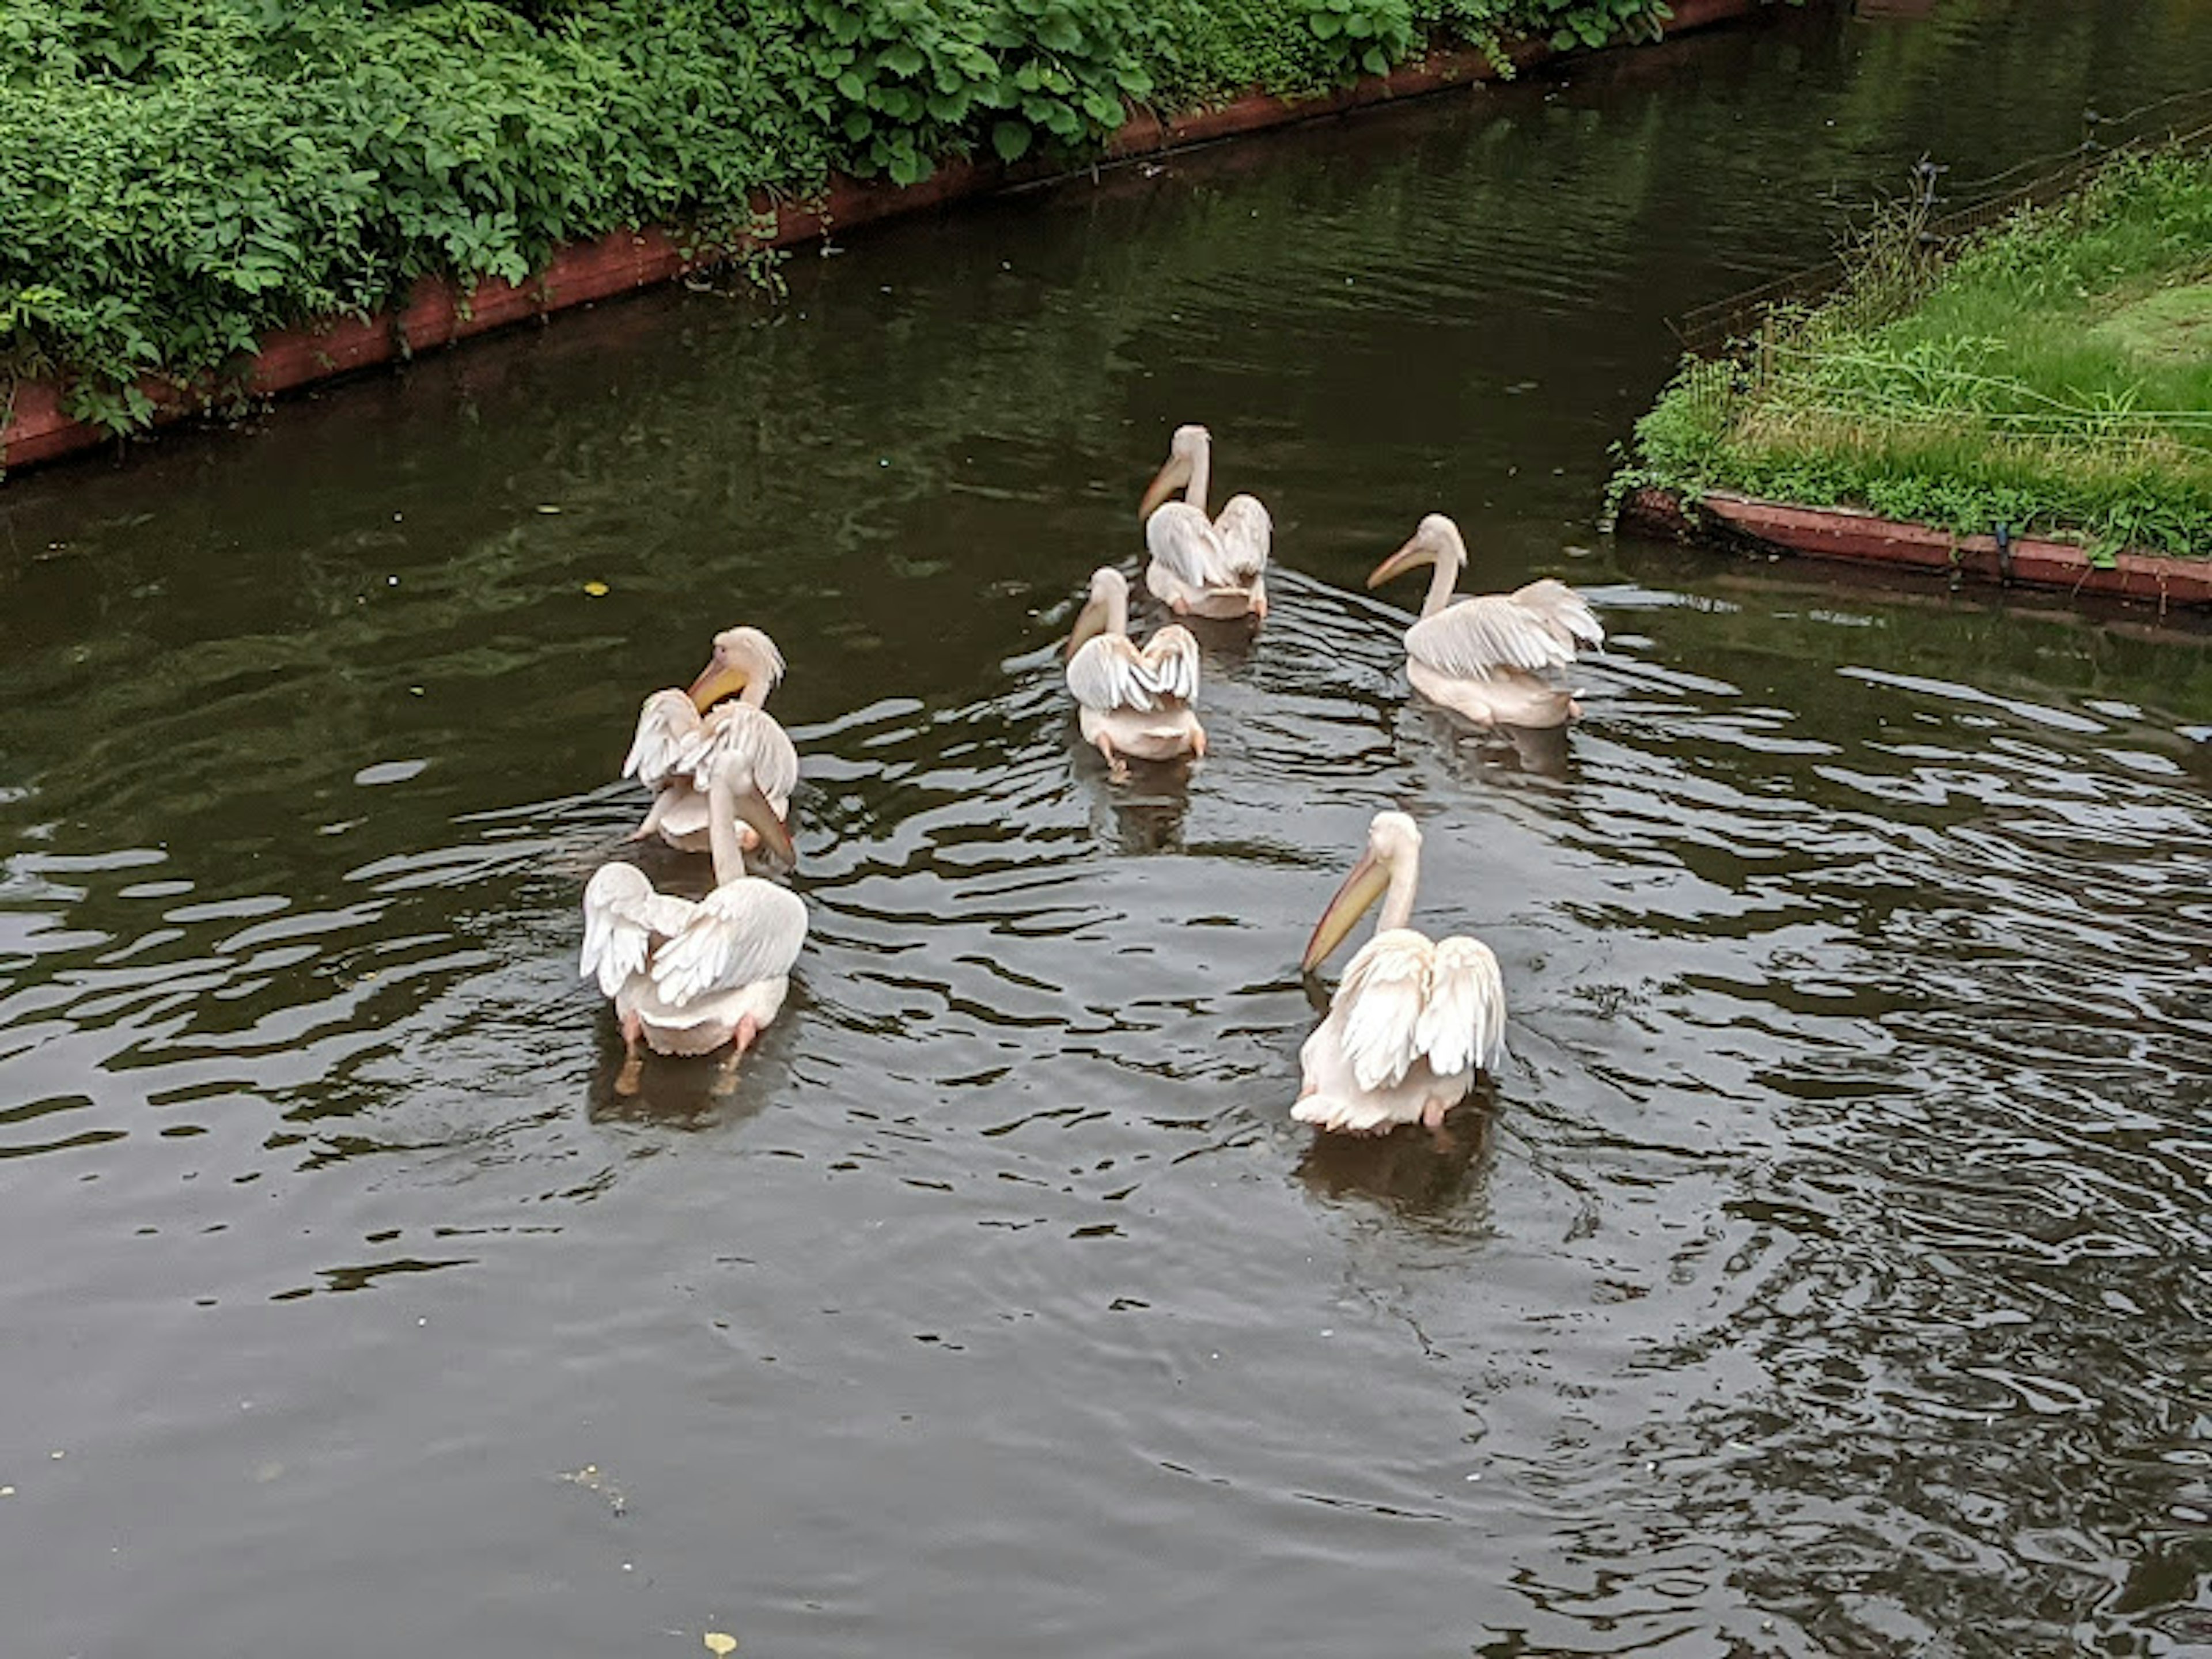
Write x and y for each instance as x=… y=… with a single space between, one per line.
x=681 y=735
x=1494 y=659
x=1132 y=702
x=685 y=977
x=1211 y=567
x=1413 y=1020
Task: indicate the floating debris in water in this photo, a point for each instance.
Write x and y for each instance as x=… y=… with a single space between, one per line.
x=591 y=1480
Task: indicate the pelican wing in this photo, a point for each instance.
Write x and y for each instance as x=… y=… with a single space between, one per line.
x=1110 y=672
x=622 y=914
x=1462 y=1025
x=1246 y=532
x=1169 y=660
x=744 y=932
x=1189 y=548
x=665 y=724
x=751 y=735
x=1534 y=628
x=1382 y=1000
x=1404 y=1000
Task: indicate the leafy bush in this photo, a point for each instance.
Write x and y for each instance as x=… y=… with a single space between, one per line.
x=178 y=177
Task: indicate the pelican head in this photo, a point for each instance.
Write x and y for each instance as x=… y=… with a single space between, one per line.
x=1106 y=611
x=1186 y=454
x=1436 y=540
x=1394 y=853
x=732 y=781
x=745 y=660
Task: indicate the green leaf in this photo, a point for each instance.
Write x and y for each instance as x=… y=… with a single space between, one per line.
x=1011 y=139
x=900 y=59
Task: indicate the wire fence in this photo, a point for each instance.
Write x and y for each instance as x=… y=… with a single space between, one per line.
x=1761 y=368
x=2181 y=122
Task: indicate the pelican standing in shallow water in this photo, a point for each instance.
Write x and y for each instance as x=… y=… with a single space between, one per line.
x=1494 y=659
x=1132 y=702
x=1201 y=567
x=1413 y=1020
x=688 y=978
x=682 y=735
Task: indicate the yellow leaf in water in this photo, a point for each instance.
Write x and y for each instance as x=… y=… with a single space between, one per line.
x=596 y=590
x=719 y=1643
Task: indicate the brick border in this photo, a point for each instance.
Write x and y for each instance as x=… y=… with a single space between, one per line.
x=1867 y=539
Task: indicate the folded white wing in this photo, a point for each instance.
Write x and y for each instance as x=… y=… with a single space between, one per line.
x=744 y=932
x=1533 y=629
x=622 y=918
x=1189 y=548
x=1170 y=663
x=750 y=735
x=1110 y=672
x=1404 y=1000
x=1464 y=1024
x=665 y=724
x=1246 y=532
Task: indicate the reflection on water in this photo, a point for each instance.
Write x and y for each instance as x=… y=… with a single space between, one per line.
x=1822 y=1275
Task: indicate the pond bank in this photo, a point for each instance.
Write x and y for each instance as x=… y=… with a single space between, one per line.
x=1861 y=537
x=36 y=425
x=2046 y=379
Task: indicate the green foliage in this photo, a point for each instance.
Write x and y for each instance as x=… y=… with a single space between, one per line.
x=1361 y=35
x=904 y=81
x=1996 y=388
x=178 y=177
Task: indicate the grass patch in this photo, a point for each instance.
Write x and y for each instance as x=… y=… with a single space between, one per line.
x=2054 y=374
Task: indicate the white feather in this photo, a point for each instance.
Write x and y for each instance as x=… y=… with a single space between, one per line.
x=1533 y=629
x=1462 y=1024
x=621 y=910
x=665 y=722
x=745 y=931
x=1245 y=532
x=1170 y=661
x=737 y=732
x=1189 y=548
x=1110 y=672
x=1381 y=1000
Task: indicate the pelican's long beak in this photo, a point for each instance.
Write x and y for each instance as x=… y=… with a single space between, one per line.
x=1090 y=623
x=1367 y=882
x=754 y=810
x=716 y=681
x=1169 y=478
x=1414 y=552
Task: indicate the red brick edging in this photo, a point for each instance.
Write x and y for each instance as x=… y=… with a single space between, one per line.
x=1864 y=537
x=438 y=313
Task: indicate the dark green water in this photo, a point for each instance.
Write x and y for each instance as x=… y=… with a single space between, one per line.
x=1826 y=1275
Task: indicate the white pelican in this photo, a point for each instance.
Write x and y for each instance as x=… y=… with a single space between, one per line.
x=1131 y=701
x=1217 y=568
x=686 y=978
x=1412 y=1020
x=682 y=735
x=1493 y=657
